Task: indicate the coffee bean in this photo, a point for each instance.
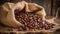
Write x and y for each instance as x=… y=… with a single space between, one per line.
x=32 y=21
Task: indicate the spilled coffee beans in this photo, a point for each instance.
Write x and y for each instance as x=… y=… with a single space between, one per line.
x=32 y=21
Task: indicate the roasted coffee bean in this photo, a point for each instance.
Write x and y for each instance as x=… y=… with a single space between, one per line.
x=32 y=21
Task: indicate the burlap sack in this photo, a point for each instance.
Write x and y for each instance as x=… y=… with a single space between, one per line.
x=7 y=12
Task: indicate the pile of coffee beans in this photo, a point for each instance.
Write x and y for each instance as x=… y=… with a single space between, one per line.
x=32 y=21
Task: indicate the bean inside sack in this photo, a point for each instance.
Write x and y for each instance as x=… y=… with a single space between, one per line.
x=32 y=21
